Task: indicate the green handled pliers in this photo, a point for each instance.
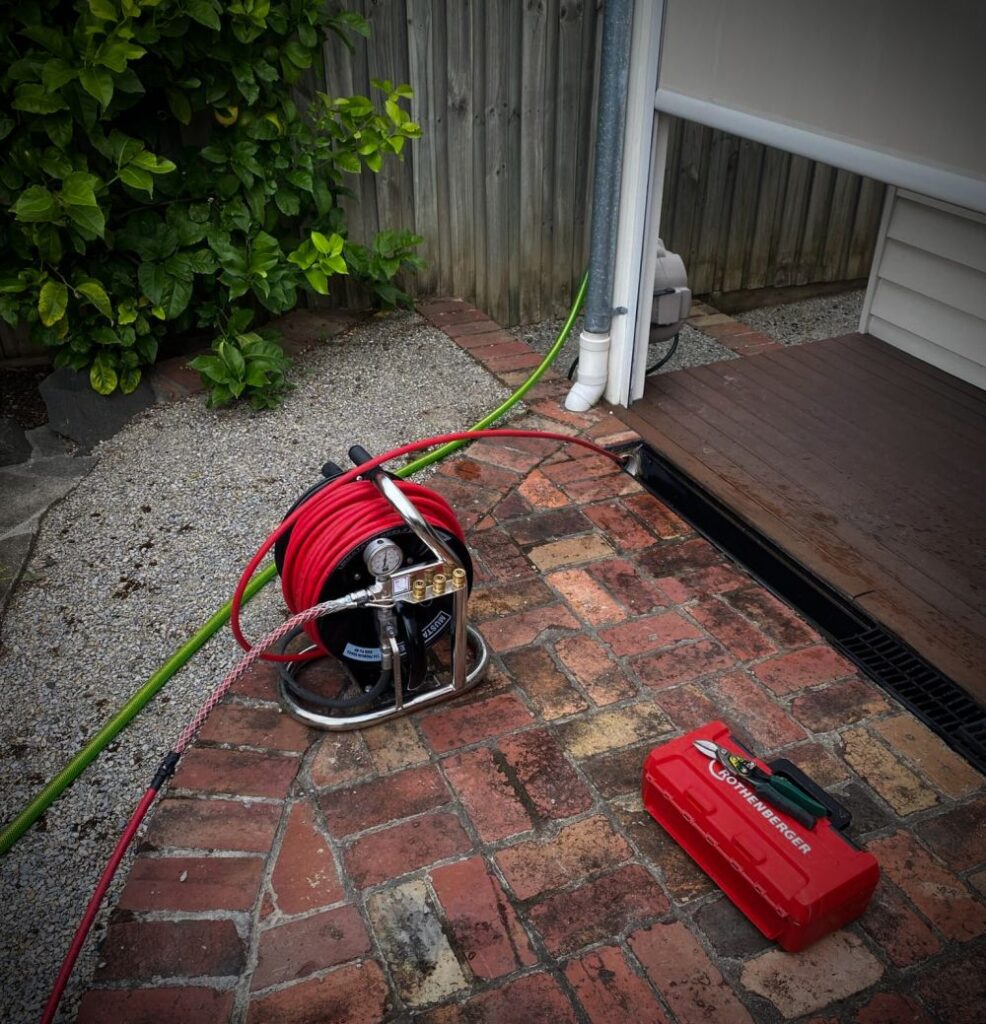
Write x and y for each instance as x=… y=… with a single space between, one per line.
x=775 y=790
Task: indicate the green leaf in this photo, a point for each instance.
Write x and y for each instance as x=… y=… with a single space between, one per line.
x=49 y=243
x=36 y=99
x=180 y=106
x=99 y=85
x=88 y=220
x=115 y=53
x=233 y=358
x=126 y=312
x=146 y=348
x=103 y=376
x=373 y=161
x=318 y=280
x=105 y=10
x=96 y=294
x=137 y=178
x=201 y=261
x=59 y=129
x=129 y=380
x=287 y=202
x=298 y=55
x=348 y=162
x=240 y=319
x=56 y=72
x=204 y=12
x=396 y=113
x=6 y=126
x=55 y=163
x=321 y=242
x=169 y=293
x=128 y=82
x=146 y=160
x=35 y=204
x=212 y=367
x=78 y=189
x=52 y=302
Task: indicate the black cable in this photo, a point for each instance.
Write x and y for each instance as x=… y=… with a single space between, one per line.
x=665 y=358
x=651 y=369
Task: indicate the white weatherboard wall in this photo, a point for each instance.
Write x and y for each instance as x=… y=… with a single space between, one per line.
x=927 y=290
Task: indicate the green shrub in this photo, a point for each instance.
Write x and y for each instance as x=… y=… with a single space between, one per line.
x=157 y=178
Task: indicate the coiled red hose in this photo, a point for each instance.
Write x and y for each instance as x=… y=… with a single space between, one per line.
x=346 y=513
x=328 y=528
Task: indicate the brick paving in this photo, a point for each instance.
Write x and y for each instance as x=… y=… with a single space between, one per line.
x=489 y=861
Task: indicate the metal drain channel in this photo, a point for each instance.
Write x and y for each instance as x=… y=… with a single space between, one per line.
x=892 y=664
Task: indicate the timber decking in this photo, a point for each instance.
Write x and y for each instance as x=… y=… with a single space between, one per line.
x=862 y=463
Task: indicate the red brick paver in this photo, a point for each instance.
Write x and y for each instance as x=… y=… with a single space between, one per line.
x=489 y=861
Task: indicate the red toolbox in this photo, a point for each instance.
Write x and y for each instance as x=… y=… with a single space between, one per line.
x=794 y=883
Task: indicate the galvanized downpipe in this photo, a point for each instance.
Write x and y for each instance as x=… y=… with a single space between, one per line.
x=611 y=114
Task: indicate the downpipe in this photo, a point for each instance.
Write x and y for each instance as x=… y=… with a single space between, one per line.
x=614 y=73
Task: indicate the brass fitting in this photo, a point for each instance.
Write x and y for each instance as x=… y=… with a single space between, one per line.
x=458 y=579
x=438 y=583
x=418 y=588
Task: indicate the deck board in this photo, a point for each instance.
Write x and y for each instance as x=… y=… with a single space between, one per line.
x=863 y=463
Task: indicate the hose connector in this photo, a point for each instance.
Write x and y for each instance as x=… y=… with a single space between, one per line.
x=165 y=770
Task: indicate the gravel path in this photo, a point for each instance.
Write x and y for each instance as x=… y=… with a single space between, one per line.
x=132 y=562
x=694 y=348
x=809 y=320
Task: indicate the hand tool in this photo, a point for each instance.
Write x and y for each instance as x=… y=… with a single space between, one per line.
x=778 y=792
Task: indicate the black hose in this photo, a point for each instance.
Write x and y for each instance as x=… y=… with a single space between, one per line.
x=286 y=670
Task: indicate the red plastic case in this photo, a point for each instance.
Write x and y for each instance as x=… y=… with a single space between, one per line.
x=795 y=884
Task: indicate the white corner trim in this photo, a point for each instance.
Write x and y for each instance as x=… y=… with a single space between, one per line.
x=881 y=242
x=638 y=154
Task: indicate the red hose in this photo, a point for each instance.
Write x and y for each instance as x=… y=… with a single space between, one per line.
x=340 y=511
x=82 y=932
x=329 y=528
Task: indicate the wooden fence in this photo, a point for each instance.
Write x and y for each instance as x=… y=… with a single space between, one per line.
x=744 y=216
x=499 y=183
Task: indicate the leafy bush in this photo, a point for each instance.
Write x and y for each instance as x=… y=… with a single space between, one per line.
x=157 y=178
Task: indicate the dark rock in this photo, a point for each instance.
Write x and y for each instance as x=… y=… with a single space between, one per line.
x=14 y=446
x=78 y=412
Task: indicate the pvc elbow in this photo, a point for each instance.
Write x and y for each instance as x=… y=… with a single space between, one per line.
x=593 y=372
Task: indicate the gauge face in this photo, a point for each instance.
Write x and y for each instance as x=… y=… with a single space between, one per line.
x=382 y=557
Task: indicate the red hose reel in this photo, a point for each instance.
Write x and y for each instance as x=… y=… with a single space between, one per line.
x=393 y=555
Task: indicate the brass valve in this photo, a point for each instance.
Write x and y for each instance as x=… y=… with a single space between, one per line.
x=438 y=583
x=458 y=579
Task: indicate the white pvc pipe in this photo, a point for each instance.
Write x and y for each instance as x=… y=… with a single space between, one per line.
x=593 y=370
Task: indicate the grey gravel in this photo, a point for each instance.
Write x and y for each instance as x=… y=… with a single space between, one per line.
x=694 y=348
x=132 y=562
x=809 y=320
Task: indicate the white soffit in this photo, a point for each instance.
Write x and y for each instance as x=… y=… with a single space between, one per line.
x=893 y=89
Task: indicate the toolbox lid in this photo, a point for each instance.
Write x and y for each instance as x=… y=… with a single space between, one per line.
x=799 y=873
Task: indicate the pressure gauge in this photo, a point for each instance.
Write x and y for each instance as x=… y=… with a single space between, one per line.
x=382 y=557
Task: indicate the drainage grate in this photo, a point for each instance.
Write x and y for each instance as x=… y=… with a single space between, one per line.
x=934 y=698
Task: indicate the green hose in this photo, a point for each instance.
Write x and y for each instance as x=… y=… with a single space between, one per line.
x=54 y=789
